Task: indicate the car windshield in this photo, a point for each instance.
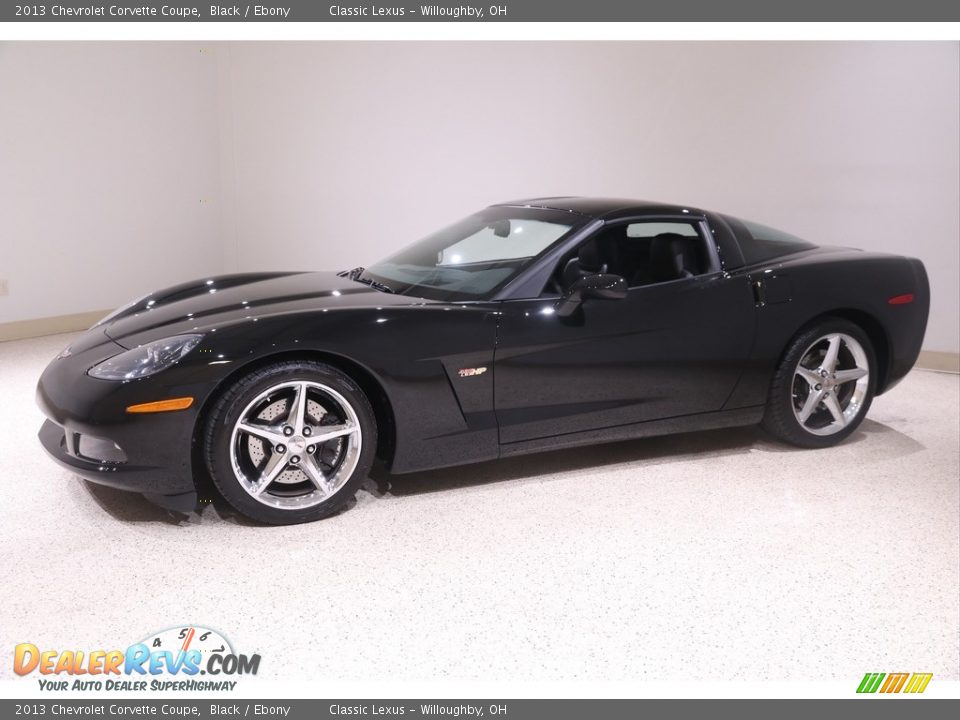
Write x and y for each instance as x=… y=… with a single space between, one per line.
x=472 y=258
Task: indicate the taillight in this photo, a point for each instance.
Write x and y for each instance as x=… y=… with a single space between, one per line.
x=904 y=299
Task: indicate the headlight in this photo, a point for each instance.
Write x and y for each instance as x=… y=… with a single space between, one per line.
x=118 y=311
x=147 y=359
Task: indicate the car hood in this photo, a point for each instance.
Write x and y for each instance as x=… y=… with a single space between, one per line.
x=213 y=302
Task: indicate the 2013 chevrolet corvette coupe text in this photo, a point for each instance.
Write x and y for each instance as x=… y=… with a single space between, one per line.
x=530 y=325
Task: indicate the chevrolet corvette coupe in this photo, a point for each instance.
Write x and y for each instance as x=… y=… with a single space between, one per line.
x=528 y=326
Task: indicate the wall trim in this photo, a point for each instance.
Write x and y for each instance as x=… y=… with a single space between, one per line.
x=22 y=329
x=936 y=360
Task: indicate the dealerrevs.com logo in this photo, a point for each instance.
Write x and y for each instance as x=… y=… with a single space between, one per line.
x=172 y=659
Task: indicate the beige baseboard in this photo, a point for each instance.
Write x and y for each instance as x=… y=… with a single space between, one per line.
x=49 y=326
x=22 y=329
x=935 y=360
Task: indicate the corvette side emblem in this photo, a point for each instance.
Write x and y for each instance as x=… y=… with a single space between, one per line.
x=470 y=372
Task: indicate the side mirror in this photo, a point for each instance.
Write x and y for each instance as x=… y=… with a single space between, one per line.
x=599 y=287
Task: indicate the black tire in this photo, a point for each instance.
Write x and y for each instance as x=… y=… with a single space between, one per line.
x=787 y=389
x=222 y=445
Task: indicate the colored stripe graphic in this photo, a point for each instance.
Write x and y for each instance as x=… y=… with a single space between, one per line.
x=870 y=682
x=894 y=682
x=918 y=683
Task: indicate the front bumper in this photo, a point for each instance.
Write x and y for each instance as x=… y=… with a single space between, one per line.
x=89 y=432
x=62 y=445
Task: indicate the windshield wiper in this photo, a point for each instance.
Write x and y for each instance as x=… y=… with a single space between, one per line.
x=351 y=274
x=374 y=284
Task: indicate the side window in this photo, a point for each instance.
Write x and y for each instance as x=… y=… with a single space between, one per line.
x=642 y=252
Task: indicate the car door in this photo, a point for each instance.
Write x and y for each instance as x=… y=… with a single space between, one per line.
x=668 y=349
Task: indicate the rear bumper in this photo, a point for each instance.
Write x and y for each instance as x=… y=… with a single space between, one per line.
x=907 y=325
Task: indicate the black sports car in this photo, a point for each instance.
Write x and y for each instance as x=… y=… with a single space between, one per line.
x=530 y=325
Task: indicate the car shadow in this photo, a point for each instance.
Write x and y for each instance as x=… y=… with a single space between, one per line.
x=669 y=448
x=522 y=467
x=134 y=508
x=131 y=507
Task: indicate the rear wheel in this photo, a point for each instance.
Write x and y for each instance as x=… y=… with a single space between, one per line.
x=291 y=442
x=823 y=387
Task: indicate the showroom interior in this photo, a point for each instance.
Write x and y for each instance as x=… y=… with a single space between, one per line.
x=127 y=167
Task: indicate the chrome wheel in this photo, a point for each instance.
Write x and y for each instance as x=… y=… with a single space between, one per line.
x=830 y=384
x=295 y=445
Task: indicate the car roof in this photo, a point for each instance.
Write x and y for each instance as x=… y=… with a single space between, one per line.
x=605 y=208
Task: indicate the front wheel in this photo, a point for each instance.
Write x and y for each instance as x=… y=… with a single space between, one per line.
x=823 y=387
x=291 y=442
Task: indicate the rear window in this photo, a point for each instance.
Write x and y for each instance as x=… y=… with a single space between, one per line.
x=759 y=243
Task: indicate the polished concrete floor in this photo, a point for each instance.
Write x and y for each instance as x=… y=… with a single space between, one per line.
x=719 y=555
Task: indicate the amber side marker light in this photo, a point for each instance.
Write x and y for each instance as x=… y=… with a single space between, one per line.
x=161 y=405
x=901 y=299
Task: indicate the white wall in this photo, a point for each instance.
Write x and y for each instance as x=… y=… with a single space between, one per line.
x=329 y=155
x=108 y=173
x=343 y=151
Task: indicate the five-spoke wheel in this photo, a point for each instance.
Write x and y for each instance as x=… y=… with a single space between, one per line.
x=295 y=444
x=291 y=442
x=830 y=383
x=824 y=385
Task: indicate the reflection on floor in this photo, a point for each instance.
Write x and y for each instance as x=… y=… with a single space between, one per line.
x=719 y=555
